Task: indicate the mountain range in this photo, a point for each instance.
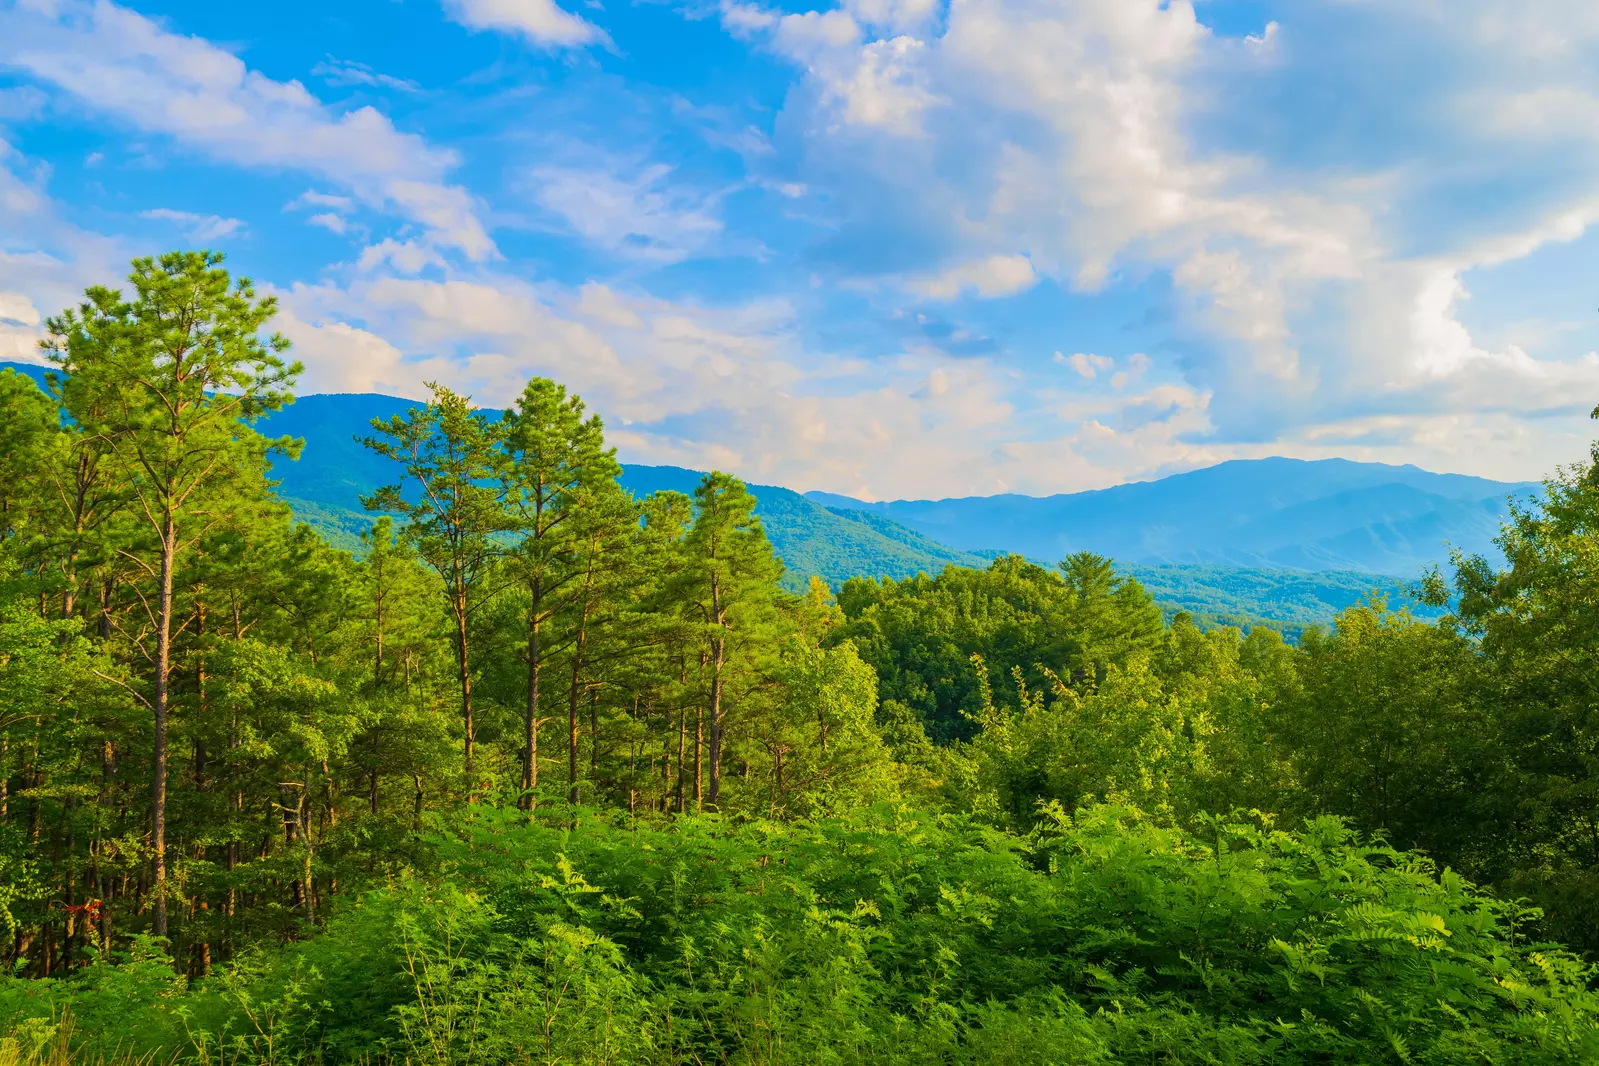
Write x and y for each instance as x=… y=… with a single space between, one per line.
x=1284 y=541
x=1329 y=514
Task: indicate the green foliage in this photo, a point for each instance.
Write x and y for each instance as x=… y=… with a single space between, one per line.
x=920 y=634
x=1537 y=624
x=1001 y=815
x=1289 y=601
x=887 y=937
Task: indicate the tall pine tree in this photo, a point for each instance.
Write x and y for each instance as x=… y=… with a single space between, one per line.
x=170 y=381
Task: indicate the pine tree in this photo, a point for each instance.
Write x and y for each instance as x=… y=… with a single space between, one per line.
x=170 y=382
x=729 y=588
x=604 y=532
x=557 y=463
x=29 y=440
x=455 y=511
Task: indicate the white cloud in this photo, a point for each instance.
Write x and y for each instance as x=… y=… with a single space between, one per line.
x=1086 y=365
x=45 y=261
x=22 y=103
x=201 y=228
x=997 y=275
x=341 y=72
x=19 y=329
x=16 y=309
x=1315 y=277
x=813 y=35
x=676 y=382
x=1265 y=42
x=641 y=217
x=894 y=16
x=406 y=257
x=878 y=84
x=745 y=20
x=541 y=21
x=886 y=89
x=331 y=222
x=341 y=358
x=1137 y=365
x=121 y=63
x=312 y=198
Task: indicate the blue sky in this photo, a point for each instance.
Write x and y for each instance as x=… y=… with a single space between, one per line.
x=891 y=248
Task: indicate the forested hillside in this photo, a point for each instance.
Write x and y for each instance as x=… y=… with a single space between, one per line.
x=324 y=485
x=1262 y=513
x=554 y=769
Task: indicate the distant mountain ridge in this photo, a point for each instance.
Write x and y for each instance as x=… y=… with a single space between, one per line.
x=1329 y=514
x=1169 y=535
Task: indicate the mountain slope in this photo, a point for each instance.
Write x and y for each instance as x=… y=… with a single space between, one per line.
x=1330 y=514
x=812 y=539
x=324 y=488
x=335 y=470
x=836 y=538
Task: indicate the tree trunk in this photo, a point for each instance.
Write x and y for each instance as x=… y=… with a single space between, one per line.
x=237 y=804
x=699 y=747
x=572 y=700
x=717 y=647
x=463 y=659
x=308 y=895
x=377 y=651
x=530 y=722
x=682 y=744
x=291 y=834
x=158 y=787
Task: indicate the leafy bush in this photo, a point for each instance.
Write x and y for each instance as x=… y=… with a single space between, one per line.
x=892 y=937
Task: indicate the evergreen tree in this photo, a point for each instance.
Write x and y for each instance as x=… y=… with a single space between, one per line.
x=170 y=382
x=557 y=464
x=453 y=501
x=604 y=532
x=728 y=588
x=29 y=434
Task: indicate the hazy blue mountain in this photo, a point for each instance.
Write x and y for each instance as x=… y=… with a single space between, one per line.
x=335 y=470
x=1317 y=516
x=325 y=486
x=815 y=540
x=1330 y=514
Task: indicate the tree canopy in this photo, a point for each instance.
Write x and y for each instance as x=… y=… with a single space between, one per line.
x=549 y=772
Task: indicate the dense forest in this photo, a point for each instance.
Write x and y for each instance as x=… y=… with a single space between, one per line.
x=545 y=772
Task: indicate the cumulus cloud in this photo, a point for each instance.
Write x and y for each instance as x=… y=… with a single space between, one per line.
x=997 y=275
x=640 y=216
x=676 y=382
x=19 y=328
x=863 y=83
x=1087 y=366
x=542 y=22
x=1315 y=279
x=1316 y=287
x=330 y=222
x=120 y=63
x=894 y=16
x=404 y=257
